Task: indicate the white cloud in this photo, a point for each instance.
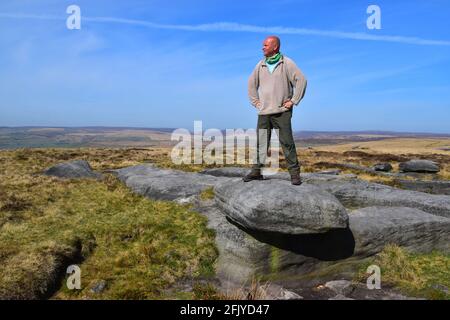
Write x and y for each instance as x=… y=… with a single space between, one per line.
x=237 y=27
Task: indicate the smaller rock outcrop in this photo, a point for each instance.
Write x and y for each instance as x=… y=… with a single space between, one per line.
x=419 y=166
x=72 y=169
x=385 y=167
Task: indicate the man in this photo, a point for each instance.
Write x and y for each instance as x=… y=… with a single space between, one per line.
x=274 y=87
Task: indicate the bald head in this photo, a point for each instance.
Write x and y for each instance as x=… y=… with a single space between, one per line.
x=271 y=46
x=275 y=39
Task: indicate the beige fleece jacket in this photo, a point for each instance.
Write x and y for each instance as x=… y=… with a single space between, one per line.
x=268 y=91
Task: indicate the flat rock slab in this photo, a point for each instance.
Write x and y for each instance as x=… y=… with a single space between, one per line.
x=72 y=169
x=278 y=206
x=419 y=166
x=156 y=183
x=335 y=172
x=357 y=193
x=374 y=227
x=226 y=172
x=433 y=187
x=235 y=172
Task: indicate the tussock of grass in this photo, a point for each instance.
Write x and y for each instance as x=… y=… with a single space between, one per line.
x=415 y=274
x=136 y=245
x=255 y=291
x=207 y=194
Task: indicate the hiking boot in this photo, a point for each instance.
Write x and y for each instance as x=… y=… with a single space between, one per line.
x=253 y=175
x=295 y=179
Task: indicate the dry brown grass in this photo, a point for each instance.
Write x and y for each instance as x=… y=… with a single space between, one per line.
x=137 y=245
x=255 y=291
x=332 y=156
x=395 y=146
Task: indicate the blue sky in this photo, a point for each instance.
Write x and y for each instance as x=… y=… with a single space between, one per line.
x=160 y=69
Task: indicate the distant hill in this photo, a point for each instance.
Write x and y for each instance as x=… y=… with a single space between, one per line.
x=386 y=134
x=316 y=138
x=33 y=137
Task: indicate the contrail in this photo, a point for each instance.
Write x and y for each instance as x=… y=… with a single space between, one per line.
x=237 y=27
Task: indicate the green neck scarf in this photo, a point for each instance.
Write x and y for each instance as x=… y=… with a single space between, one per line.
x=274 y=59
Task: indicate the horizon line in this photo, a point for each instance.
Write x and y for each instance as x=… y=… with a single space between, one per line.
x=170 y=128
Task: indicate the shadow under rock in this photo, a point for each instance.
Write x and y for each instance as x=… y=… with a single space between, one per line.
x=333 y=245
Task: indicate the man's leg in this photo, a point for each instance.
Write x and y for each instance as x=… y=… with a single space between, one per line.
x=263 y=134
x=282 y=122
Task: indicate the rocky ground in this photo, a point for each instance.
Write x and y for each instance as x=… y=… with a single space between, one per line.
x=271 y=228
x=299 y=242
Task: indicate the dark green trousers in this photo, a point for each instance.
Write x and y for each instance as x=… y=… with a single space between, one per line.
x=282 y=122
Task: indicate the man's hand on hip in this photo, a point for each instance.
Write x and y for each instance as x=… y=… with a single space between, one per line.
x=288 y=104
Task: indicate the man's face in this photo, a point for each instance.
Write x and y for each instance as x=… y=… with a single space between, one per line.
x=269 y=47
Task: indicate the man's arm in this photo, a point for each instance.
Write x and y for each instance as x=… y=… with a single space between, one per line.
x=298 y=82
x=253 y=84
